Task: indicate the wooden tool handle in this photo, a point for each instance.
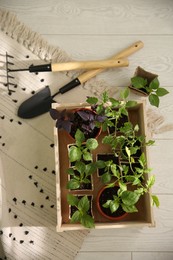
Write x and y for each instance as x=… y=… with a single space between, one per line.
x=89 y=64
x=122 y=54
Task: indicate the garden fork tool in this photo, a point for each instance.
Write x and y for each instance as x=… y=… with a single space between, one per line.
x=6 y=62
x=41 y=102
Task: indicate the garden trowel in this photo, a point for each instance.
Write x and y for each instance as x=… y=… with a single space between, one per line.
x=41 y=102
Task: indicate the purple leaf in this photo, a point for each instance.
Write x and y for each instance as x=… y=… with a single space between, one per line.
x=84 y=115
x=54 y=113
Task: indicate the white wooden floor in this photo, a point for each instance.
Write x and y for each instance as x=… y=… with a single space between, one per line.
x=96 y=30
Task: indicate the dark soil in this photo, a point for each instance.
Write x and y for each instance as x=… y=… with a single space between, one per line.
x=123 y=119
x=107 y=194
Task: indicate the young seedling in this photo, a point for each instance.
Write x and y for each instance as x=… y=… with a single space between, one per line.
x=83 y=208
x=152 y=89
x=80 y=150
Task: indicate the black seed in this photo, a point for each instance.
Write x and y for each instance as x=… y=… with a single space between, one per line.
x=47 y=197
x=31 y=242
x=42 y=80
x=41 y=190
x=14 y=238
x=52 y=206
x=15 y=216
x=3 y=144
x=36 y=183
x=23 y=89
x=15 y=200
x=15 y=100
x=20 y=123
x=27 y=56
x=33 y=204
x=52 y=145
x=26 y=232
x=11 y=120
x=9 y=210
x=2 y=117
x=36 y=167
x=30 y=176
x=21 y=241
x=21 y=224
x=1 y=232
x=53 y=172
x=45 y=169
x=10 y=234
x=33 y=92
x=24 y=202
x=41 y=206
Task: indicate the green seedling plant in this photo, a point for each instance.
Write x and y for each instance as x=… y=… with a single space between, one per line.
x=81 y=215
x=80 y=175
x=153 y=89
x=80 y=150
x=110 y=170
x=125 y=198
x=112 y=109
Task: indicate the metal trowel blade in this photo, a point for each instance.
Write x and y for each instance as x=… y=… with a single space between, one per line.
x=36 y=105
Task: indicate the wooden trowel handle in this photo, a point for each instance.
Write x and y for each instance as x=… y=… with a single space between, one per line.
x=102 y=64
x=122 y=54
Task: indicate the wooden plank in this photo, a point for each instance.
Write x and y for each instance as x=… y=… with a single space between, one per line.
x=99 y=17
x=159 y=239
x=160 y=157
x=103 y=255
x=86 y=48
x=152 y=255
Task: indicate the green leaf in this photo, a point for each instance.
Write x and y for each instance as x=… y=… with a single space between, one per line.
x=114 y=170
x=76 y=217
x=127 y=151
x=74 y=154
x=80 y=167
x=124 y=93
x=91 y=143
x=105 y=97
x=106 y=177
x=154 y=84
x=87 y=156
x=151 y=181
x=107 y=204
x=100 y=164
x=73 y=184
x=154 y=100
x=84 y=204
x=92 y=100
x=155 y=200
x=161 y=92
x=150 y=142
x=123 y=186
x=138 y=82
x=129 y=208
x=131 y=103
x=72 y=200
x=90 y=168
x=79 y=137
x=115 y=103
x=87 y=221
x=142 y=160
x=70 y=171
x=114 y=205
x=130 y=197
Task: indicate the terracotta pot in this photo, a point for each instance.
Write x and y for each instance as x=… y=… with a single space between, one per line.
x=102 y=210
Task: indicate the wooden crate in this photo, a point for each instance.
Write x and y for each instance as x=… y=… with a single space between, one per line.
x=144 y=216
